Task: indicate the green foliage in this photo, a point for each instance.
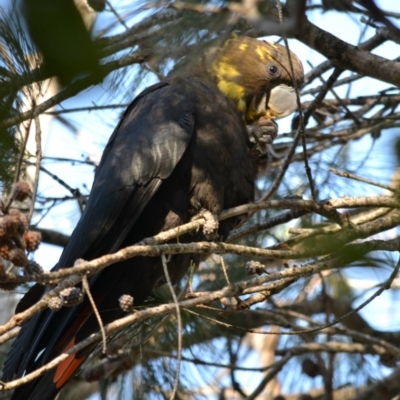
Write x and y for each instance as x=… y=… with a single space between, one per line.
x=8 y=154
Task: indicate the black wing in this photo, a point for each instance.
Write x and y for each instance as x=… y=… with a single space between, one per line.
x=144 y=149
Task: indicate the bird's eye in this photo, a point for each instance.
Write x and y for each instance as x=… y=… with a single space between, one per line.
x=273 y=69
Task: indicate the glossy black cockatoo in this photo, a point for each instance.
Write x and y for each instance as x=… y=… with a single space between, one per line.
x=182 y=146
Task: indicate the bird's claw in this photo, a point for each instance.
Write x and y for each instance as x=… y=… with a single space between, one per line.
x=262 y=133
x=210 y=227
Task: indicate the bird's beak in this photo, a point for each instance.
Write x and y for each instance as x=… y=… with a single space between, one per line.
x=282 y=101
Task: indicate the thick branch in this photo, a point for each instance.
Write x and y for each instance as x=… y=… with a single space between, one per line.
x=346 y=56
x=333 y=347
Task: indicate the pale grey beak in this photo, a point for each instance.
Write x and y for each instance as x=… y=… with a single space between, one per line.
x=282 y=101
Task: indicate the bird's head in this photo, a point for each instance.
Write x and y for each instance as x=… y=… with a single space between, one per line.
x=256 y=76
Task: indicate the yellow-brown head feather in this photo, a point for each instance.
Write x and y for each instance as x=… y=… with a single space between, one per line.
x=246 y=70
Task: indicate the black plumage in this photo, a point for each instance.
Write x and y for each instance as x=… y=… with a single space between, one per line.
x=182 y=146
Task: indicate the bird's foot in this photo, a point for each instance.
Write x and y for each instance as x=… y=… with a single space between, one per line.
x=126 y=302
x=262 y=133
x=210 y=227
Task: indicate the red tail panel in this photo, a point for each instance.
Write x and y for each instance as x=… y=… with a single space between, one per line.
x=67 y=368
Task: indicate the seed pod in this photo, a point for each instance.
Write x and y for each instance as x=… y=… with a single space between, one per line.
x=9 y=226
x=33 y=268
x=18 y=257
x=55 y=303
x=78 y=262
x=310 y=368
x=20 y=191
x=126 y=303
x=14 y=223
x=2 y=233
x=32 y=240
x=254 y=267
x=71 y=297
x=6 y=246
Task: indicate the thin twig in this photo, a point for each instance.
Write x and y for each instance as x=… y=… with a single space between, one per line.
x=38 y=139
x=23 y=145
x=5 y=206
x=88 y=108
x=365 y=180
x=180 y=327
x=264 y=225
x=269 y=376
x=302 y=122
x=322 y=93
x=336 y=75
x=223 y=266
x=119 y=18
x=334 y=347
x=158 y=353
x=319 y=327
x=285 y=166
x=86 y=287
x=385 y=286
